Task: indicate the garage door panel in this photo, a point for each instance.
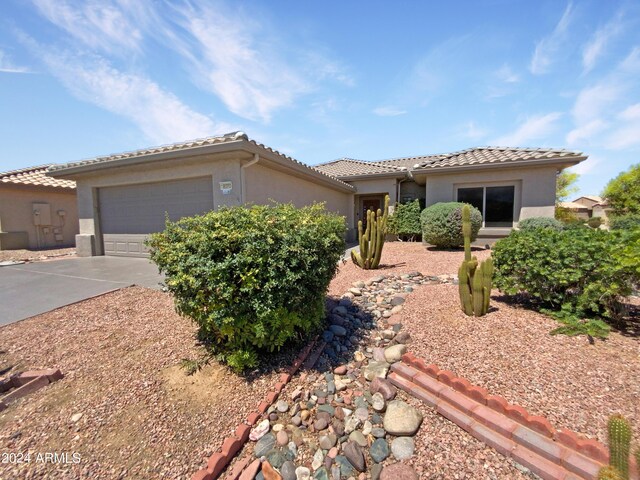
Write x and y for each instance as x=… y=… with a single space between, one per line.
x=129 y=213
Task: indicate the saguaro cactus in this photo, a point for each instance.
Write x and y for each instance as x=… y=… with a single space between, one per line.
x=474 y=282
x=372 y=239
x=619 y=444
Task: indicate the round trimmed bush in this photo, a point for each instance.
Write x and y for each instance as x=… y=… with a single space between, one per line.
x=442 y=224
x=594 y=222
x=540 y=222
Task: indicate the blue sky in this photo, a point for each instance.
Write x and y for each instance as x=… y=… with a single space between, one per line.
x=321 y=80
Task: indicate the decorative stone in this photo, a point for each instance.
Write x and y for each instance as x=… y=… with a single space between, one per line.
x=384 y=387
x=326 y=442
x=303 y=473
x=276 y=457
x=394 y=353
x=376 y=369
x=321 y=474
x=338 y=331
x=320 y=424
x=402 y=337
x=359 y=284
x=251 y=471
x=401 y=419
x=340 y=370
x=282 y=406
x=346 y=469
x=338 y=427
x=354 y=454
x=378 y=432
x=277 y=427
x=367 y=427
x=259 y=430
x=318 y=459
x=282 y=438
x=288 y=470
x=76 y=417
x=378 y=354
x=356 y=291
x=398 y=471
x=351 y=424
x=358 y=437
x=362 y=413
x=269 y=472
x=358 y=356
x=377 y=402
x=375 y=471
x=397 y=301
x=264 y=445
x=403 y=448
x=379 y=450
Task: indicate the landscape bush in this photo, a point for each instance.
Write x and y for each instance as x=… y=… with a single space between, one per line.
x=540 y=222
x=405 y=221
x=594 y=222
x=624 y=222
x=252 y=278
x=579 y=273
x=442 y=224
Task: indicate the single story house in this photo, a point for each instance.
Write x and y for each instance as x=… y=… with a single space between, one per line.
x=588 y=206
x=37 y=211
x=506 y=184
x=123 y=197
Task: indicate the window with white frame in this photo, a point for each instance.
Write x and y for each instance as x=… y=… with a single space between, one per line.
x=496 y=203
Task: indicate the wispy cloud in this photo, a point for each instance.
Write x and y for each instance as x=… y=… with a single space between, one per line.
x=159 y=114
x=597 y=44
x=632 y=112
x=533 y=128
x=547 y=48
x=388 y=111
x=7 y=66
x=106 y=25
x=587 y=166
x=586 y=131
x=472 y=131
x=507 y=75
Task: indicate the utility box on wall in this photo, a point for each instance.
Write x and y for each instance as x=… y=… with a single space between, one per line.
x=41 y=214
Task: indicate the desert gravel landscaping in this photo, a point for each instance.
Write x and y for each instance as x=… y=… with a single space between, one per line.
x=128 y=408
x=125 y=404
x=35 y=255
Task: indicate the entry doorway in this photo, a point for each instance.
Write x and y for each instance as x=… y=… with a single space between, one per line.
x=368 y=202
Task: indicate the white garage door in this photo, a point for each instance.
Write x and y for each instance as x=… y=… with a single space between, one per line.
x=129 y=213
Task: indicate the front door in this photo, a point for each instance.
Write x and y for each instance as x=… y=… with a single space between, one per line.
x=372 y=204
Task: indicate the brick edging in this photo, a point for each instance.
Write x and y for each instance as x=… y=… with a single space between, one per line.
x=530 y=440
x=26 y=383
x=219 y=461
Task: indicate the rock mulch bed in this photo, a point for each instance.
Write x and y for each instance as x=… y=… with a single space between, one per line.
x=35 y=255
x=346 y=420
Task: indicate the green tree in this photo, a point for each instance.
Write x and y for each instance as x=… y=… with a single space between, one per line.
x=623 y=192
x=565 y=185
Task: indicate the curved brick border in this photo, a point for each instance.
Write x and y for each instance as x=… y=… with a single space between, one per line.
x=529 y=439
x=26 y=383
x=219 y=461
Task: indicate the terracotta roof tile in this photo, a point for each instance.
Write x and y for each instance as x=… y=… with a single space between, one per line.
x=348 y=167
x=35 y=176
x=191 y=144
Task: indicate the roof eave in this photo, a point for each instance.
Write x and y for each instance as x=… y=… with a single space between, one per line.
x=560 y=161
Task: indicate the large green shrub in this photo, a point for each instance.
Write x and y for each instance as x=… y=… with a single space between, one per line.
x=251 y=277
x=624 y=222
x=442 y=224
x=539 y=222
x=594 y=222
x=574 y=271
x=623 y=192
x=405 y=221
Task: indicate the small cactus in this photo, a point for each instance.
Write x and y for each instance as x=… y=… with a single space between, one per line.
x=619 y=444
x=609 y=473
x=474 y=282
x=372 y=239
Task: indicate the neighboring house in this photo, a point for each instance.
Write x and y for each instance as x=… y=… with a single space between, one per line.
x=122 y=198
x=36 y=211
x=588 y=206
x=506 y=184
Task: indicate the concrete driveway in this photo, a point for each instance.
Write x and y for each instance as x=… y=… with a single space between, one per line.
x=33 y=288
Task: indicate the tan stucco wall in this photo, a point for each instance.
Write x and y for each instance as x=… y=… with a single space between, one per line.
x=259 y=182
x=535 y=188
x=16 y=214
x=378 y=185
x=264 y=184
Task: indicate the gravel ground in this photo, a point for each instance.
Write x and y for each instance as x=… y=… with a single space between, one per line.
x=510 y=352
x=142 y=417
x=403 y=257
x=34 y=255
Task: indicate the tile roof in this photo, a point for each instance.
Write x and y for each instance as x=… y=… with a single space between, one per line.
x=191 y=144
x=35 y=176
x=494 y=155
x=593 y=198
x=348 y=167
